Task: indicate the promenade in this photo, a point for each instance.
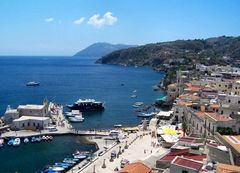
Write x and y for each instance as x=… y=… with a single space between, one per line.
x=139 y=148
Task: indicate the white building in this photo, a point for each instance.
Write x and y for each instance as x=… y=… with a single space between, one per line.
x=10 y=115
x=30 y=123
x=33 y=110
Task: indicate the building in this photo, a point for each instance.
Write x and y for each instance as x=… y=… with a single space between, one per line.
x=233 y=143
x=10 y=115
x=30 y=123
x=185 y=165
x=33 y=110
x=215 y=121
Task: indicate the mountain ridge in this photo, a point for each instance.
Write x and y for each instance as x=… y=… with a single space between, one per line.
x=100 y=49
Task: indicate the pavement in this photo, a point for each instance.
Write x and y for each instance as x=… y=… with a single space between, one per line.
x=139 y=148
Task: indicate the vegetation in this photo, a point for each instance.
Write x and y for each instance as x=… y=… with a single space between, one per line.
x=226 y=131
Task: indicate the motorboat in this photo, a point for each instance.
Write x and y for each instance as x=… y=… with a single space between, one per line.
x=16 y=142
x=77 y=118
x=137 y=104
x=64 y=165
x=80 y=156
x=146 y=114
x=1 y=142
x=133 y=96
x=26 y=140
x=10 y=142
x=117 y=125
x=33 y=83
x=73 y=113
x=134 y=91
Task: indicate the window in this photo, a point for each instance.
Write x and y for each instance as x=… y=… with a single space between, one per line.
x=221 y=112
x=238 y=102
x=229 y=101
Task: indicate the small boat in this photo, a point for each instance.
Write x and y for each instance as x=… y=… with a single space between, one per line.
x=57 y=168
x=134 y=91
x=33 y=83
x=80 y=156
x=117 y=125
x=1 y=142
x=16 y=142
x=69 y=161
x=133 y=96
x=77 y=118
x=10 y=142
x=26 y=140
x=146 y=114
x=64 y=165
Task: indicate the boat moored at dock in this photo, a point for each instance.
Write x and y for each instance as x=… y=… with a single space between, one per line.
x=16 y=142
x=87 y=105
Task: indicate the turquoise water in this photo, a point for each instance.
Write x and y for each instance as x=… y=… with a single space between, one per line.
x=64 y=80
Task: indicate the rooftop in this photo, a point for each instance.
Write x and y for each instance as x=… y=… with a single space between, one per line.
x=224 y=168
x=30 y=106
x=200 y=114
x=137 y=167
x=22 y=118
x=233 y=141
x=187 y=163
x=217 y=117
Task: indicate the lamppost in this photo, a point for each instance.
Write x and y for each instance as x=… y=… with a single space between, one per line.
x=94 y=169
x=104 y=164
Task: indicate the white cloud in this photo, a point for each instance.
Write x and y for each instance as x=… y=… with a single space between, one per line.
x=79 y=21
x=107 y=19
x=50 y=19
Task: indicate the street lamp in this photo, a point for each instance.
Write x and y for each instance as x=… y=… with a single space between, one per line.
x=94 y=169
x=104 y=165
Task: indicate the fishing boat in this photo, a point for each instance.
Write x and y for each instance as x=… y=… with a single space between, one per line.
x=33 y=83
x=1 y=142
x=26 y=140
x=16 y=142
x=10 y=142
x=146 y=114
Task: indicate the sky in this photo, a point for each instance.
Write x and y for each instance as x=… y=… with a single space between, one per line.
x=63 y=27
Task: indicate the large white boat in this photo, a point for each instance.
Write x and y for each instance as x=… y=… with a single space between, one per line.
x=76 y=116
x=73 y=113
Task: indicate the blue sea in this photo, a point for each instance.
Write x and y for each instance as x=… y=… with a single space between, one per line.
x=64 y=80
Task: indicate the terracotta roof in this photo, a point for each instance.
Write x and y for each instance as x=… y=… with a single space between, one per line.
x=193 y=88
x=224 y=168
x=217 y=117
x=182 y=152
x=215 y=105
x=187 y=163
x=137 y=167
x=233 y=141
x=200 y=114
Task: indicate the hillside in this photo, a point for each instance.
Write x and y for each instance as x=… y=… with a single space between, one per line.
x=218 y=50
x=101 y=49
